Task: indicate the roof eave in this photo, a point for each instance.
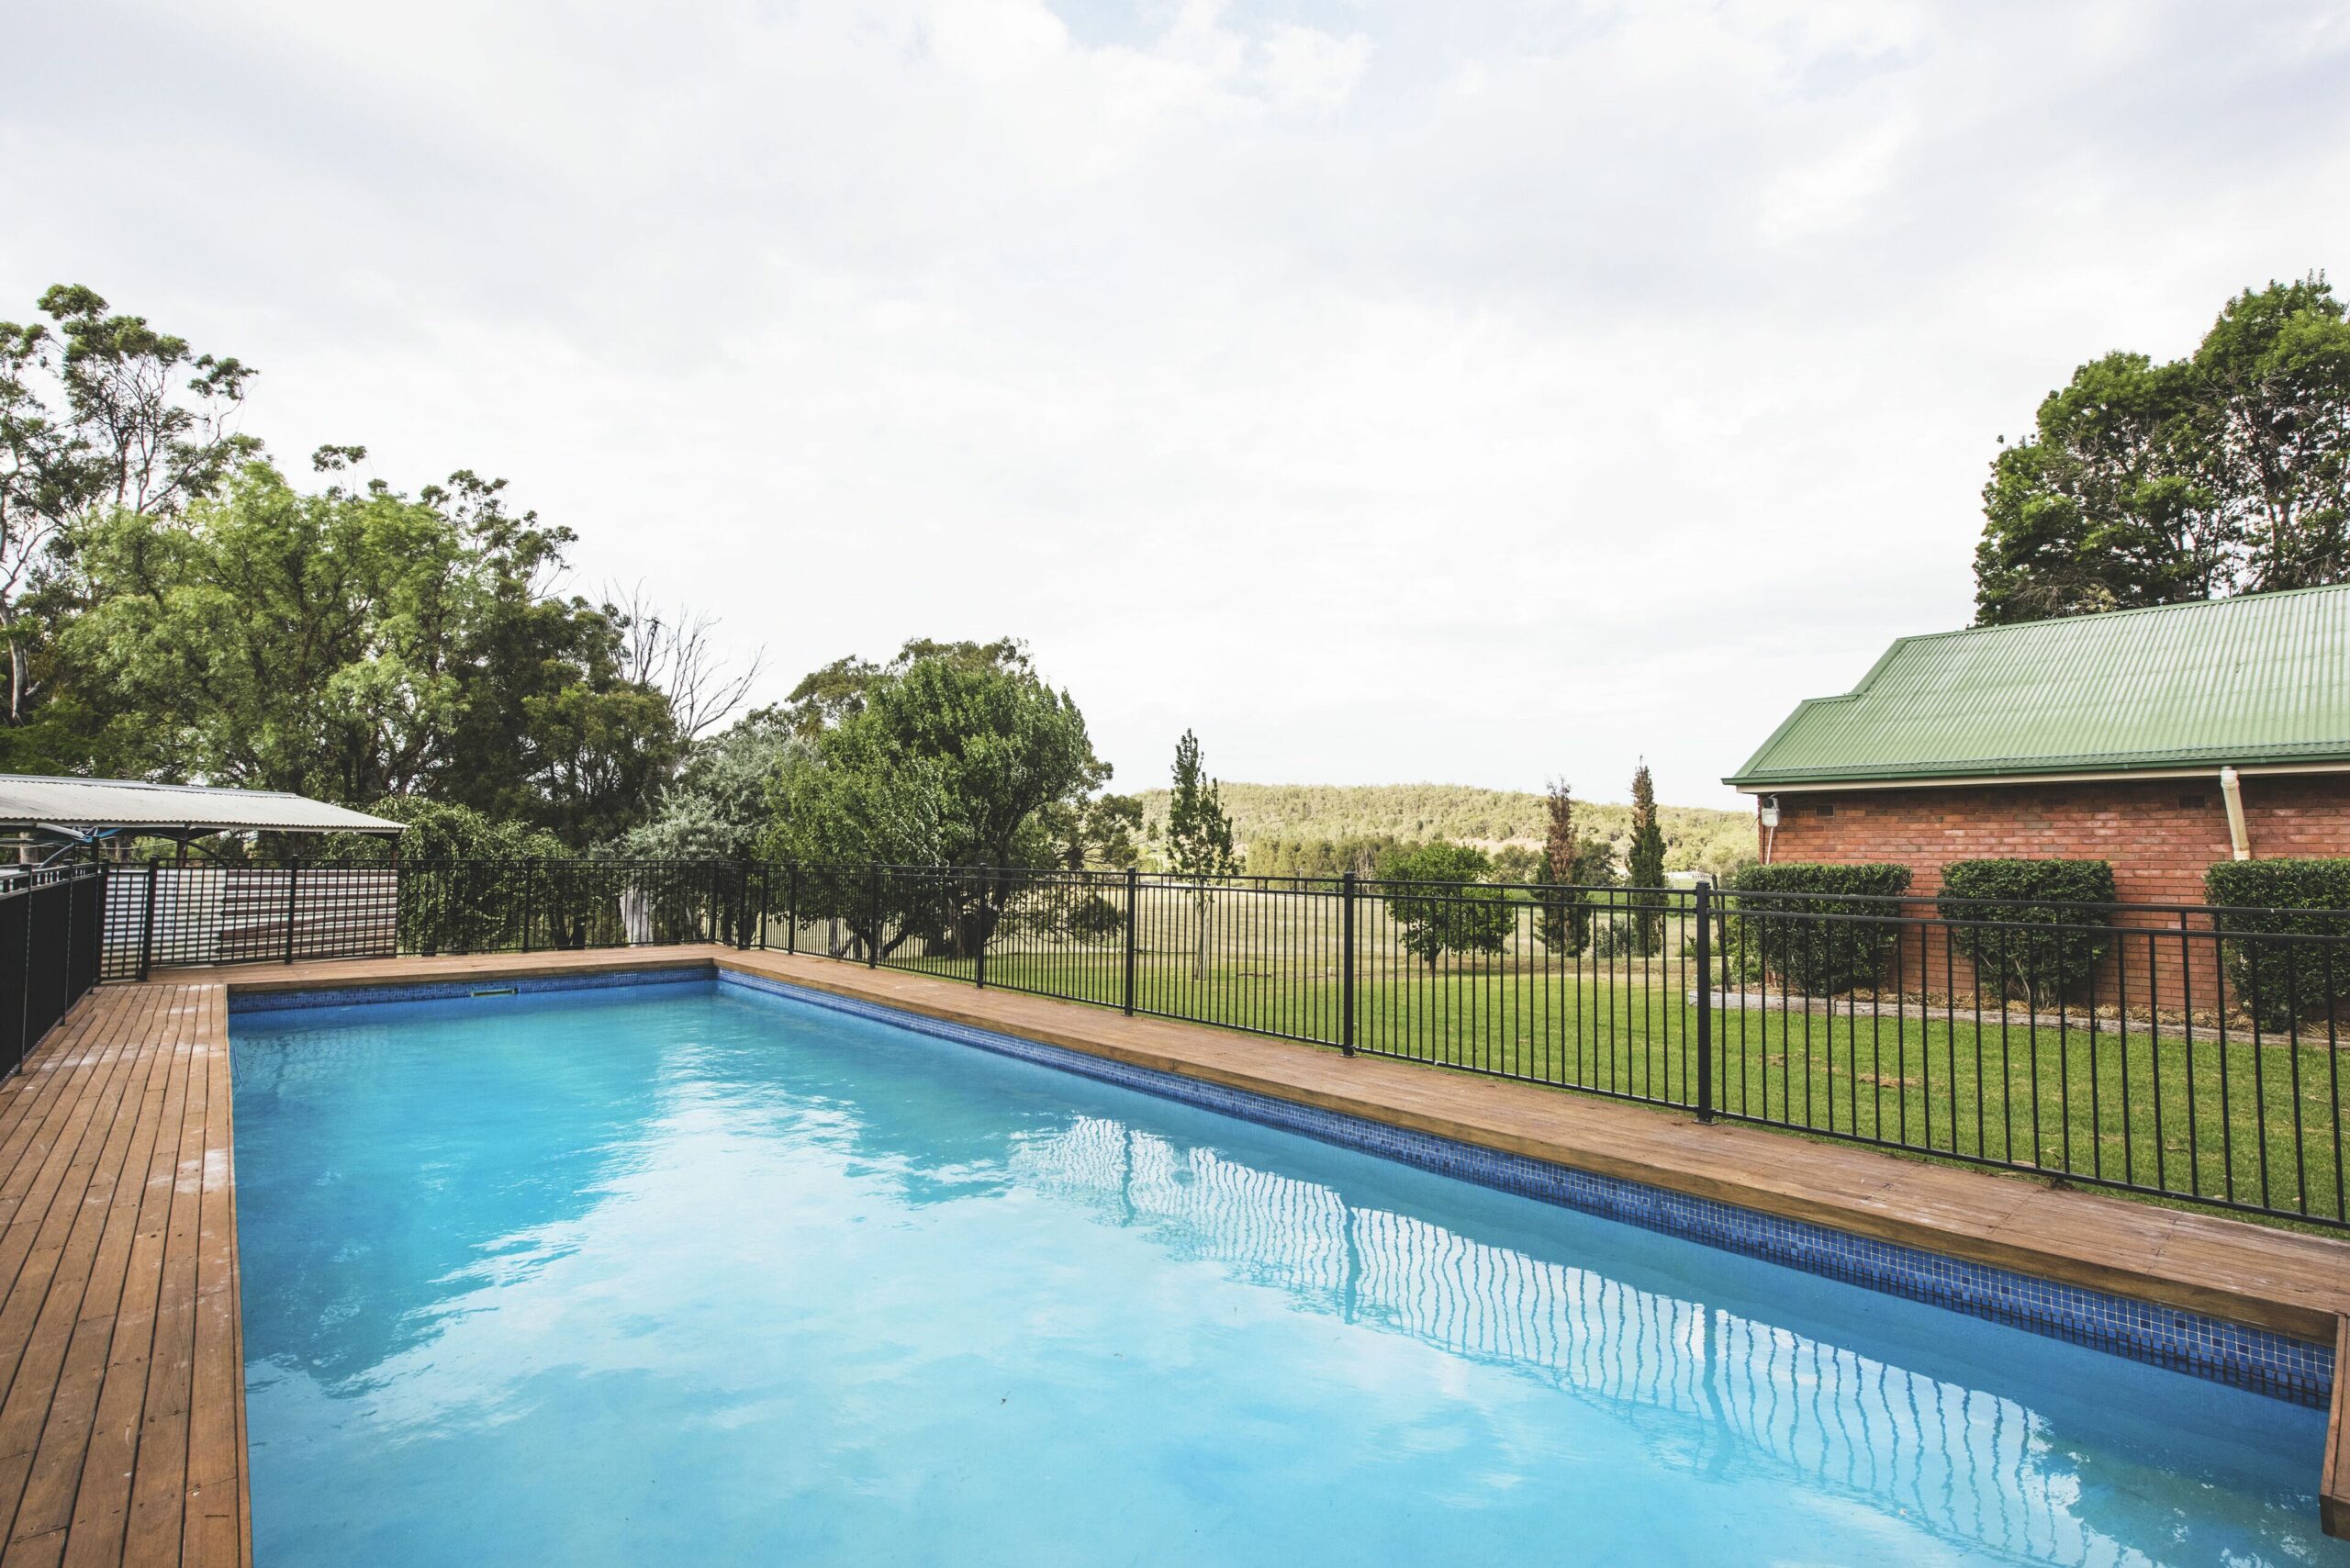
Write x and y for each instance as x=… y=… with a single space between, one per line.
x=2030 y=773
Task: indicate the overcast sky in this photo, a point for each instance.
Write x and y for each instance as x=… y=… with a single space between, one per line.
x=1452 y=391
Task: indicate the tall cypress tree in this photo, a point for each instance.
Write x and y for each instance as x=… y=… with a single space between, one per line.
x=1199 y=838
x=1563 y=927
x=1558 y=835
x=1644 y=862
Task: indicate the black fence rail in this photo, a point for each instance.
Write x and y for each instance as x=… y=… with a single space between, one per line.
x=2185 y=1051
x=161 y=916
x=49 y=950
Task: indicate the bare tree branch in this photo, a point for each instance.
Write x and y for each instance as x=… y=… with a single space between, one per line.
x=673 y=651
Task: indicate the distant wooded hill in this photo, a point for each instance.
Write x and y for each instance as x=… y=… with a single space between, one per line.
x=1289 y=815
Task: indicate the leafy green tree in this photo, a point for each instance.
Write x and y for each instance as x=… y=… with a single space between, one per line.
x=1644 y=862
x=95 y=416
x=945 y=761
x=829 y=697
x=1516 y=863
x=358 y=644
x=1440 y=903
x=718 y=807
x=467 y=881
x=1319 y=858
x=1099 y=833
x=2146 y=483
x=440 y=830
x=1198 y=839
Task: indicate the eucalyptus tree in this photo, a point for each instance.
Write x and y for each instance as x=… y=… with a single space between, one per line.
x=98 y=411
x=354 y=644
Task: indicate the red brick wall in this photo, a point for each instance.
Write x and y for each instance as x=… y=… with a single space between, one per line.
x=2159 y=836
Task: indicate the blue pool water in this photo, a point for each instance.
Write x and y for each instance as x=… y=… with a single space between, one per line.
x=683 y=1274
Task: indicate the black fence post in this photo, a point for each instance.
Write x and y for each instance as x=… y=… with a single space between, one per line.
x=791 y=911
x=293 y=884
x=66 y=891
x=1134 y=936
x=742 y=905
x=529 y=867
x=980 y=926
x=873 y=918
x=767 y=901
x=1704 y=1002
x=147 y=923
x=1346 y=966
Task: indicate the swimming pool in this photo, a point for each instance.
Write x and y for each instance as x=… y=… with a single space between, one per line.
x=686 y=1272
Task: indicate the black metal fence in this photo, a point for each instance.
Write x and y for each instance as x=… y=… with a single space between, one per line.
x=48 y=951
x=2185 y=1051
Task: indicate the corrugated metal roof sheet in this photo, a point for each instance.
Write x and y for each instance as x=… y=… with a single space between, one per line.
x=2260 y=679
x=88 y=803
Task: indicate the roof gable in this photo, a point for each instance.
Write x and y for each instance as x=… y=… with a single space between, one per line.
x=2256 y=680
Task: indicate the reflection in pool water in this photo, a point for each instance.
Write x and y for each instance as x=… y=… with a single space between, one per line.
x=693 y=1275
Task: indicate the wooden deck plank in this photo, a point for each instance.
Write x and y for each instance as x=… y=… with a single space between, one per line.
x=102 y=1503
x=95 y=1536
x=87 y=1289
x=159 y=1483
x=215 y=1528
x=42 y=1309
x=34 y=1180
x=117 y=1325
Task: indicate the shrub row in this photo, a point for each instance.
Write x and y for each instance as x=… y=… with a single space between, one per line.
x=1819 y=946
x=2035 y=964
x=2022 y=924
x=2280 y=982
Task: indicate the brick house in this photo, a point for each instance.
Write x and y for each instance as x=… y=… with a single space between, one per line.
x=2159 y=739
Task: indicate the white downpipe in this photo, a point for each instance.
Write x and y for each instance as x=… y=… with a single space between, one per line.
x=2231 y=791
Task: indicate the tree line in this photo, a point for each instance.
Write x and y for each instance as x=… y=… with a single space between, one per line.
x=172 y=604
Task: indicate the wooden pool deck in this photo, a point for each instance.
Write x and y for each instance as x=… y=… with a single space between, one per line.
x=122 y=1432
x=122 y=1429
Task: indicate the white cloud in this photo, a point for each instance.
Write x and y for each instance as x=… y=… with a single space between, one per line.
x=1389 y=392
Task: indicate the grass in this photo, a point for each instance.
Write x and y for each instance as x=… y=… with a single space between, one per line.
x=2186 y=1113
x=1305 y=814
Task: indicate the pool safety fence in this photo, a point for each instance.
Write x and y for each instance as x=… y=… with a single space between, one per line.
x=2187 y=1051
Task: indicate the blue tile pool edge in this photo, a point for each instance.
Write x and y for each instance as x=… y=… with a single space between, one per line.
x=241 y=1002
x=2234 y=1353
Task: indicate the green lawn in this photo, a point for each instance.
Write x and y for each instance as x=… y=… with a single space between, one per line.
x=2112 y=1103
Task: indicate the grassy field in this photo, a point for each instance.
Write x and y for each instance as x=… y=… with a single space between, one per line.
x=1696 y=837
x=2186 y=1113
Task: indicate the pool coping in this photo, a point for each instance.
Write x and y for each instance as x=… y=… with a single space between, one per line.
x=2213 y=1299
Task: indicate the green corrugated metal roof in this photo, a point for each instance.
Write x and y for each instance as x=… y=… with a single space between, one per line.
x=2260 y=679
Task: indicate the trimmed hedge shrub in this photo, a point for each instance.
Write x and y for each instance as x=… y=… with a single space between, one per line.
x=2035 y=964
x=2283 y=981
x=1772 y=937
